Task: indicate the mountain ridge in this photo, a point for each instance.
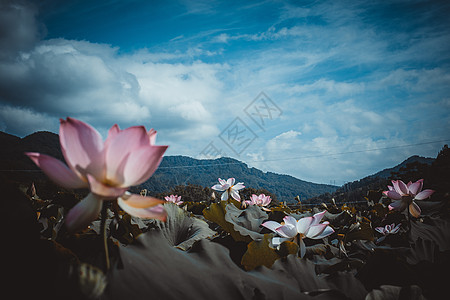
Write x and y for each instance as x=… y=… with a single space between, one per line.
x=173 y=171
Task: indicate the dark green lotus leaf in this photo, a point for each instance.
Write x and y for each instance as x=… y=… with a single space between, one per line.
x=126 y=229
x=359 y=231
x=259 y=253
x=389 y=292
x=181 y=229
x=303 y=270
x=248 y=221
x=216 y=213
x=195 y=207
x=319 y=249
x=380 y=210
x=333 y=265
x=433 y=229
x=153 y=268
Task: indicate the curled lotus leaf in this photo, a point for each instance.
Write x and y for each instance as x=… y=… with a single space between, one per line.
x=434 y=229
x=216 y=213
x=247 y=222
x=181 y=229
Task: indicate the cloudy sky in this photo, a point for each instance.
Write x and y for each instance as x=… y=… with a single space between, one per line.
x=326 y=91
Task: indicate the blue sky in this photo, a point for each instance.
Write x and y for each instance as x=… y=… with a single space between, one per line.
x=326 y=91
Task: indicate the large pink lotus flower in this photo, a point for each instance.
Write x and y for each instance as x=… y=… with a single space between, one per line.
x=404 y=195
x=229 y=188
x=261 y=200
x=388 y=229
x=108 y=168
x=308 y=227
x=174 y=199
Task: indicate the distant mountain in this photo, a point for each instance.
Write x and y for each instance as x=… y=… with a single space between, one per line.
x=181 y=170
x=173 y=171
x=386 y=173
x=414 y=168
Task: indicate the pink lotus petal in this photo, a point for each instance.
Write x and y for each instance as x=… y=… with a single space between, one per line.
x=400 y=187
x=224 y=196
x=142 y=163
x=120 y=146
x=315 y=230
x=57 y=171
x=414 y=210
x=390 y=188
x=152 y=136
x=396 y=228
x=104 y=191
x=398 y=205
x=302 y=247
x=222 y=181
x=424 y=194
x=287 y=231
x=272 y=225
x=326 y=232
x=235 y=195
x=112 y=133
x=155 y=212
x=303 y=224
x=318 y=217
x=83 y=213
x=416 y=187
x=238 y=186
x=231 y=181
x=139 y=201
x=82 y=147
x=394 y=195
x=218 y=187
x=290 y=220
x=380 y=229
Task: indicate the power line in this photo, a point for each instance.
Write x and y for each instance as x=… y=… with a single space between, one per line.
x=312 y=156
x=280 y=159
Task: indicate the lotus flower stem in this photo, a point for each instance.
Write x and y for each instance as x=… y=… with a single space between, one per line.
x=103 y=231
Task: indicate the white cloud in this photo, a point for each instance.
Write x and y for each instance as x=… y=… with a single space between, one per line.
x=345 y=84
x=16 y=119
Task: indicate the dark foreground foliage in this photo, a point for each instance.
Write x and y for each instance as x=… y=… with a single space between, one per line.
x=217 y=249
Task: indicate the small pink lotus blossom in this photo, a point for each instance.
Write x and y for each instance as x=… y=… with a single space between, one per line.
x=126 y=158
x=174 y=198
x=229 y=188
x=404 y=195
x=261 y=200
x=388 y=229
x=308 y=227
